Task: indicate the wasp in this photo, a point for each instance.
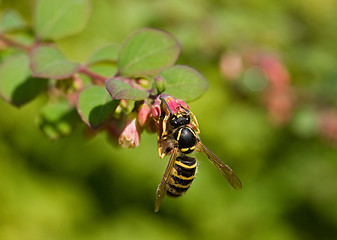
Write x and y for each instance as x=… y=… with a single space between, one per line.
x=178 y=135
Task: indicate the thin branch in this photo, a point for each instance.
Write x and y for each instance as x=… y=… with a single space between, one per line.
x=93 y=75
x=13 y=43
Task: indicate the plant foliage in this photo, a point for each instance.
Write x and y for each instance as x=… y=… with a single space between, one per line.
x=127 y=70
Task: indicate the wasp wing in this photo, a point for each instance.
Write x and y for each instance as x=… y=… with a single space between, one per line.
x=161 y=190
x=225 y=170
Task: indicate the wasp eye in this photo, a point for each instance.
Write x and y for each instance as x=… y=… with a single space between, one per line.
x=187 y=119
x=174 y=122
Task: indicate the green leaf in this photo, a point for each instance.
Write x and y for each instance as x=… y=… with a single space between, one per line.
x=184 y=82
x=11 y=20
x=23 y=37
x=57 y=119
x=17 y=85
x=147 y=52
x=48 y=62
x=107 y=53
x=104 y=69
x=121 y=90
x=55 y=19
x=95 y=106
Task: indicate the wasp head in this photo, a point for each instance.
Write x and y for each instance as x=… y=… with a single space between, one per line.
x=179 y=120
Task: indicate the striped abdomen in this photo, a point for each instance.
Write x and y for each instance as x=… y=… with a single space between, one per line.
x=182 y=175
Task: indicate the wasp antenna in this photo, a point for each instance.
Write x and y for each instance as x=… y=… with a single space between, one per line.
x=167 y=107
x=186 y=109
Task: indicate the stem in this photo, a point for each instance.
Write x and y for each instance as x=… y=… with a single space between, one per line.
x=153 y=97
x=151 y=94
x=92 y=75
x=14 y=43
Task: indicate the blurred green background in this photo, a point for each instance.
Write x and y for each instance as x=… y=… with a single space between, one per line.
x=79 y=188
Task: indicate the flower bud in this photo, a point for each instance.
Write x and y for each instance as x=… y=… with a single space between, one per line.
x=131 y=134
x=160 y=83
x=280 y=104
x=77 y=84
x=328 y=124
x=143 y=114
x=155 y=108
x=275 y=70
x=144 y=83
x=231 y=65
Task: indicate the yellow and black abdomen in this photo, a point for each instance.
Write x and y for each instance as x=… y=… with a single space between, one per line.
x=182 y=176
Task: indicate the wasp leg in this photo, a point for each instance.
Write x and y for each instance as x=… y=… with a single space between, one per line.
x=164 y=147
x=194 y=123
x=161 y=153
x=187 y=111
x=164 y=133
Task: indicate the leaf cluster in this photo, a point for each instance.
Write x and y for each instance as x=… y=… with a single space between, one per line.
x=32 y=64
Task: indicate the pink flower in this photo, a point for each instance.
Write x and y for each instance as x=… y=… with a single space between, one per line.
x=171 y=105
x=328 y=124
x=231 y=65
x=275 y=71
x=131 y=134
x=144 y=114
x=156 y=108
x=280 y=104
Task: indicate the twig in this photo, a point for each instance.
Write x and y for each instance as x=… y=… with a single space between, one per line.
x=92 y=75
x=14 y=43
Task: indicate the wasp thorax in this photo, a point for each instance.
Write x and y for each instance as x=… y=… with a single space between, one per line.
x=186 y=139
x=179 y=120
